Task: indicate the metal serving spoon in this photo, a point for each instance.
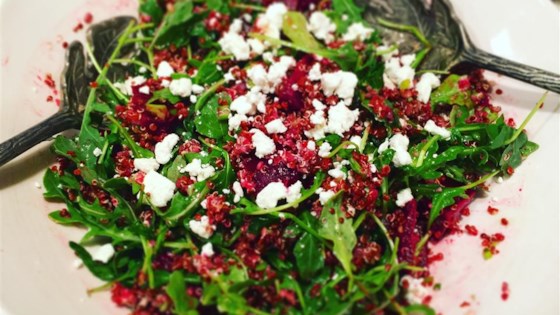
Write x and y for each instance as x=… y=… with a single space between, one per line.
x=451 y=46
x=77 y=75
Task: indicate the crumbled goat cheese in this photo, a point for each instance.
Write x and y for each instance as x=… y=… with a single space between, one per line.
x=294 y=192
x=257 y=47
x=434 y=129
x=258 y=75
x=270 y=195
x=341 y=119
x=324 y=195
x=262 y=143
x=315 y=73
x=424 y=87
x=337 y=171
x=318 y=132
x=271 y=21
x=228 y=77
x=164 y=70
x=403 y=197
x=146 y=165
x=164 y=148
x=198 y=170
x=318 y=118
x=202 y=228
x=238 y=190
x=233 y=43
x=235 y=121
x=341 y=83
x=500 y=180
x=357 y=31
x=207 y=250
x=373 y=168
x=357 y=140
x=159 y=188
x=197 y=89
x=37 y=185
x=97 y=152
x=321 y=26
x=277 y=71
x=243 y=106
x=181 y=87
x=103 y=253
x=318 y=105
x=311 y=145
x=144 y=90
x=165 y=83
x=126 y=86
x=396 y=74
x=416 y=292
x=325 y=149
x=193 y=99
x=276 y=126
x=399 y=143
x=384 y=146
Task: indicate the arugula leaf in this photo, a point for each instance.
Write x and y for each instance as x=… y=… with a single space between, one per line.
x=451 y=92
x=295 y=28
x=342 y=234
x=208 y=73
x=50 y=183
x=181 y=15
x=443 y=199
x=207 y=123
x=152 y=9
x=183 y=304
x=98 y=269
x=309 y=256
x=349 y=8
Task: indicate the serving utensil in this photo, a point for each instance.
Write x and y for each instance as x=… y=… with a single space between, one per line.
x=446 y=40
x=76 y=77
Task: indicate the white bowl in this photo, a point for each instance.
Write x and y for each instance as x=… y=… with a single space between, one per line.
x=36 y=265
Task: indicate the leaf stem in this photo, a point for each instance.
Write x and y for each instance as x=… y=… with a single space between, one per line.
x=424 y=150
x=527 y=119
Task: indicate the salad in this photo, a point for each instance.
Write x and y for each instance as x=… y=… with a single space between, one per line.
x=274 y=158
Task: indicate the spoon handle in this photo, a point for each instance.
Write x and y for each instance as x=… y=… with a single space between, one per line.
x=27 y=139
x=537 y=77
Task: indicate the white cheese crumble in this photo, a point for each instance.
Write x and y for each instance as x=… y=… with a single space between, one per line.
x=233 y=43
x=164 y=148
x=337 y=171
x=262 y=143
x=321 y=26
x=399 y=143
x=325 y=149
x=428 y=81
x=434 y=129
x=311 y=145
x=126 y=86
x=181 y=87
x=97 y=152
x=164 y=70
x=398 y=71
x=198 y=170
x=159 y=188
x=403 y=197
x=276 y=126
x=341 y=83
x=294 y=192
x=234 y=121
x=271 y=21
x=202 y=228
x=415 y=292
x=103 y=253
x=144 y=90
x=324 y=195
x=357 y=31
x=270 y=195
x=207 y=250
x=37 y=185
x=341 y=119
x=357 y=140
x=146 y=165
x=315 y=73
x=238 y=190
x=257 y=46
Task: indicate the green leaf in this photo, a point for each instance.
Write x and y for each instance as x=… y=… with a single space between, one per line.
x=342 y=234
x=309 y=256
x=50 y=183
x=207 y=123
x=371 y=71
x=98 y=269
x=173 y=172
x=295 y=28
x=418 y=309
x=57 y=218
x=166 y=95
x=183 y=12
x=208 y=72
x=95 y=209
x=183 y=304
x=214 y=4
x=152 y=9
x=349 y=8
x=450 y=93
x=443 y=199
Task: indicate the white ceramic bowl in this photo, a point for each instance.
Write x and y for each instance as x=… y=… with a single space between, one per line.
x=36 y=266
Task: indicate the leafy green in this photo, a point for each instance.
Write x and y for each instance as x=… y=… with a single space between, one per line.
x=183 y=304
x=451 y=92
x=207 y=123
x=309 y=255
x=173 y=21
x=152 y=9
x=338 y=229
x=295 y=28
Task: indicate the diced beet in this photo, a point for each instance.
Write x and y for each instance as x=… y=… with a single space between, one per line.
x=274 y=173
